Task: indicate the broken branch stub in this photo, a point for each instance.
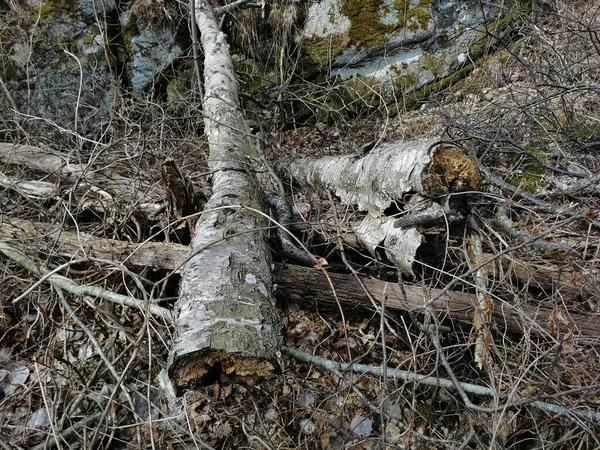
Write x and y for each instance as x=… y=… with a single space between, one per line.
x=387 y=173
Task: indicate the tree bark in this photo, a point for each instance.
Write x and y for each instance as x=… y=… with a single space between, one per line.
x=391 y=175
x=383 y=176
x=227 y=325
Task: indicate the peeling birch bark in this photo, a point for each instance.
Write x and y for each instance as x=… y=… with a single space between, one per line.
x=227 y=326
x=400 y=244
x=391 y=175
x=387 y=173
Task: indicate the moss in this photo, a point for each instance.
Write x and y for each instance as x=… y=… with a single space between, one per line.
x=122 y=170
x=404 y=82
x=360 y=94
x=415 y=98
x=50 y=8
x=251 y=78
x=528 y=181
x=320 y=51
x=431 y=63
x=367 y=24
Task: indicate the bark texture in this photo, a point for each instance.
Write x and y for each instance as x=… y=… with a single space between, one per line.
x=94 y=188
x=387 y=173
x=227 y=326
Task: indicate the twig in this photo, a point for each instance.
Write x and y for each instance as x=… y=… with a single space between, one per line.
x=539 y=204
x=68 y=432
x=118 y=378
x=411 y=377
x=524 y=236
x=195 y=46
x=68 y=285
x=234 y=5
x=283 y=211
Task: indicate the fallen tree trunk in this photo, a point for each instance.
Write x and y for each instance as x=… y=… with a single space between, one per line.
x=309 y=286
x=304 y=285
x=135 y=193
x=383 y=176
x=407 y=175
x=227 y=325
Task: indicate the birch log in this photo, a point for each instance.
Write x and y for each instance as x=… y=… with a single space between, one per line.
x=387 y=173
x=391 y=175
x=227 y=326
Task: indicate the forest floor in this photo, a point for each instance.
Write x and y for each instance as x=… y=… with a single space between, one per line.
x=528 y=114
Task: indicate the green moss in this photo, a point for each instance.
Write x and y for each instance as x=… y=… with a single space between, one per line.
x=50 y=8
x=368 y=26
x=122 y=170
x=431 y=63
x=404 y=82
x=530 y=181
x=365 y=25
x=319 y=51
x=251 y=78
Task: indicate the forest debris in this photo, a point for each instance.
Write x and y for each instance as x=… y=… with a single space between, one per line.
x=484 y=307
x=387 y=173
x=227 y=323
x=390 y=175
x=30 y=188
x=60 y=168
x=400 y=244
x=304 y=285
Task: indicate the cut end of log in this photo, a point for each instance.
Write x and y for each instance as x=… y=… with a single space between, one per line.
x=451 y=170
x=206 y=368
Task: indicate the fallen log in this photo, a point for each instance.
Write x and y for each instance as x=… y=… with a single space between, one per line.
x=226 y=326
x=59 y=168
x=405 y=175
x=387 y=173
x=306 y=285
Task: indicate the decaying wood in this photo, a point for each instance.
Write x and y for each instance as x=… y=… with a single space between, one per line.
x=29 y=188
x=383 y=176
x=59 y=168
x=390 y=175
x=484 y=308
x=298 y=284
x=227 y=325
x=564 y=279
x=310 y=286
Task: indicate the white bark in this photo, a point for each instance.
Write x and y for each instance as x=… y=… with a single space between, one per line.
x=384 y=177
x=227 y=319
x=387 y=173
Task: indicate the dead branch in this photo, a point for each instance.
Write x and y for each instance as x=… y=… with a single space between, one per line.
x=309 y=286
x=383 y=176
x=59 y=168
x=411 y=377
x=68 y=285
x=29 y=188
